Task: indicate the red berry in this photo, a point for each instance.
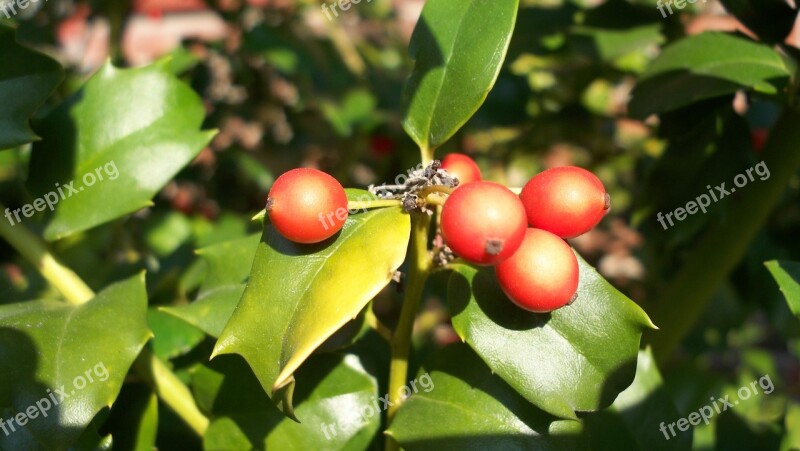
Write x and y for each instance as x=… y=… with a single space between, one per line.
x=483 y=222
x=759 y=138
x=568 y=201
x=542 y=275
x=462 y=167
x=307 y=205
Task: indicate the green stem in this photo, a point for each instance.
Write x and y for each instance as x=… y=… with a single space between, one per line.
x=171 y=390
x=435 y=200
x=720 y=250
x=63 y=279
x=418 y=269
x=427 y=154
x=166 y=384
x=375 y=323
x=435 y=189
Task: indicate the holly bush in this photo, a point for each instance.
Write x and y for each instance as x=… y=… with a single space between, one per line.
x=162 y=288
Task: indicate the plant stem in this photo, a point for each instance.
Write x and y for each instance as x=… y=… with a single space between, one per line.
x=435 y=189
x=165 y=383
x=171 y=390
x=435 y=200
x=427 y=155
x=377 y=325
x=418 y=269
x=63 y=279
x=720 y=250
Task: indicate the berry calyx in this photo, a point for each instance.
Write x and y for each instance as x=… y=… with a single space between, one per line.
x=307 y=205
x=483 y=222
x=542 y=275
x=461 y=167
x=567 y=201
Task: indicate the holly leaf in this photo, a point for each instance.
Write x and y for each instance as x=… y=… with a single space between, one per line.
x=706 y=66
x=635 y=419
x=171 y=336
x=335 y=395
x=113 y=145
x=459 y=49
x=299 y=295
x=475 y=409
x=228 y=266
x=23 y=88
x=575 y=359
x=75 y=355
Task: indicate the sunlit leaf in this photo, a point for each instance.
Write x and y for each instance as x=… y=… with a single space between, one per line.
x=83 y=352
x=458 y=48
x=299 y=295
x=113 y=145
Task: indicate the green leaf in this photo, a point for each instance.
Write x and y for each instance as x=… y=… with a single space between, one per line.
x=458 y=48
x=575 y=359
x=299 y=295
x=607 y=44
x=332 y=393
x=771 y=20
x=47 y=346
x=26 y=80
x=171 y=336
x=466 y=406
x=120 y=139
x=787 y=274
x=228 y=266
x=633 y=422
x=705 y=66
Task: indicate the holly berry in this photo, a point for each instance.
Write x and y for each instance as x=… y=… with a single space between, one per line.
x=542 y=275
x=461 y=167
x=307 y=205
x=483 y=222
x=567 y=201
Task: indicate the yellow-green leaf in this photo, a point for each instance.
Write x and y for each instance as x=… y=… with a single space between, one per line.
x=299 y=295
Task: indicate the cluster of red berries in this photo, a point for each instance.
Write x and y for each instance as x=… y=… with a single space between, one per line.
x=482 y=222
x=523 y=236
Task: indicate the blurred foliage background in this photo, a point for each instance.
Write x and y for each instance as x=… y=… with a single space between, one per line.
x=286 y=86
